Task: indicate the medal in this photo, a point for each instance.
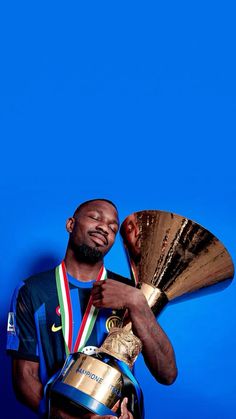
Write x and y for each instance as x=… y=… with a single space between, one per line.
x=89 y=317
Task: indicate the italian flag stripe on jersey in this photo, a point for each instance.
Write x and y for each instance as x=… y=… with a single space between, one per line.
x=89 y=317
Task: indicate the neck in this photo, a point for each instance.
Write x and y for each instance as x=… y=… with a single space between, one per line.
x=82 y=270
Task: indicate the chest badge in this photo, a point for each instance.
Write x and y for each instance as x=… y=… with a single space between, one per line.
x=113 y=321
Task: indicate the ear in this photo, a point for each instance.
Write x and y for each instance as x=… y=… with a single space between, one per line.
x=70 y=224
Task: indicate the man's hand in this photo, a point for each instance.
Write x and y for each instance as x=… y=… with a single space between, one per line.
x=125 y=414
x=116 y=295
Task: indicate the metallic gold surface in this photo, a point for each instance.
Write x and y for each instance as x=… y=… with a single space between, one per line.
x=169 y=256
x=95 y=378
x=156 y=298
x=174 y=254
x=122 y=344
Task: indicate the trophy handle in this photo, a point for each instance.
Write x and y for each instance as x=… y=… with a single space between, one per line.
x=156 y=298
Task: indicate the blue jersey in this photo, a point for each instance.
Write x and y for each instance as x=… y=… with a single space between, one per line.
x=34 y=321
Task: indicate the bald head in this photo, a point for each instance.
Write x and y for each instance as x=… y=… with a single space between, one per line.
x=91 y=201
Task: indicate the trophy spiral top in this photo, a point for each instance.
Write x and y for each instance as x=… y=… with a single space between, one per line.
x=173 y=253
x=169 y=256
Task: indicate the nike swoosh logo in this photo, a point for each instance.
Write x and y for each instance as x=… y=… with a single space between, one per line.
x=55 y=328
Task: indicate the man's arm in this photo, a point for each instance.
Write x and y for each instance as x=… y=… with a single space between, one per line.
x=157 y=349
x=26 y=382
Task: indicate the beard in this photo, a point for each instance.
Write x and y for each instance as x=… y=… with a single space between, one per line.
x=87 y=254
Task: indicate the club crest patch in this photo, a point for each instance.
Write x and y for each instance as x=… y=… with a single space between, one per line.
x=113 y=321
x=11 y=323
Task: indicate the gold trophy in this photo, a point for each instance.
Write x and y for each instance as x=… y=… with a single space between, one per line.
x=169 y=256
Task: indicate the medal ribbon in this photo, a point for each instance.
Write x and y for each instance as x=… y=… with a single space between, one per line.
x=89 y=317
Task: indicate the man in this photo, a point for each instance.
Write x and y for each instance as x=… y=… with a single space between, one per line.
x=130 y=234
x=41 y=330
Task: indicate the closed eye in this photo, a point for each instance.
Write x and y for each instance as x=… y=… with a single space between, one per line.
x=94 y=217
x=114 y=229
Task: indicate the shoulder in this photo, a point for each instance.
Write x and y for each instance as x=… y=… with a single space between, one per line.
x=120 y=278
x=39 y=281
x=40 y=278
x=38 y=287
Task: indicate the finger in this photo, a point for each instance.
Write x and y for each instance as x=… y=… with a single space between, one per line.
x=96 y=294
x=115 y=407
x=97 y=284
x=99 y=417
x=97 y=303
x=124 y=410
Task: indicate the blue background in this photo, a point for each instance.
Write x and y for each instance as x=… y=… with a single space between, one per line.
x=135 y=102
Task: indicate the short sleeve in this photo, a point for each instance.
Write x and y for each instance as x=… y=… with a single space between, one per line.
x=21 y=330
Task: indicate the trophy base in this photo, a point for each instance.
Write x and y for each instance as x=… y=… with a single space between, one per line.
x=95 y=384
x=74 y=399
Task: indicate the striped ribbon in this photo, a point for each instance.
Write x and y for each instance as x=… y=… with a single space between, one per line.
x=89 y=317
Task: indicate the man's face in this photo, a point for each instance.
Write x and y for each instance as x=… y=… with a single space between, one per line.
x=131 y=234
x=95 y=226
